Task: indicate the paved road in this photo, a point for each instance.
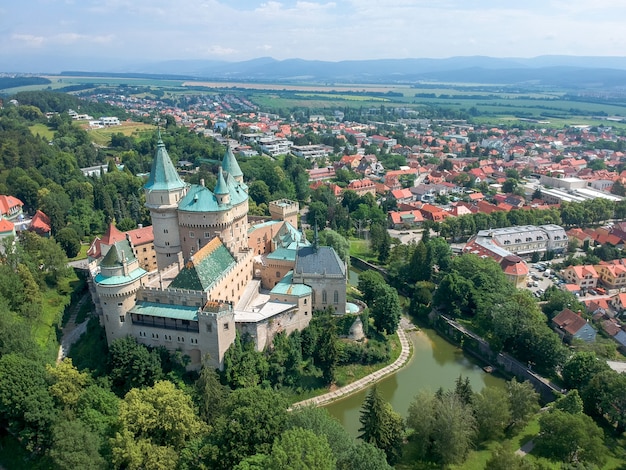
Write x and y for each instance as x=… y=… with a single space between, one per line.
x=71 y=331
x=367 y=380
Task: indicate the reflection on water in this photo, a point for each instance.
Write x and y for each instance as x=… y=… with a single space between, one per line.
x=435 y=363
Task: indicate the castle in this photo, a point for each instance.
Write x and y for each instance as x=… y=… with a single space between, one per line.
x=215 y=272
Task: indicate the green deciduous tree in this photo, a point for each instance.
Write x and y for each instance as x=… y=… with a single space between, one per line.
x=580 y=368
x=301 y=449
x=252 y=419
x=131 y=365
x=566 y=437
x=523 y=401
x=386 y=310
x=74 y=446
x=492 y=412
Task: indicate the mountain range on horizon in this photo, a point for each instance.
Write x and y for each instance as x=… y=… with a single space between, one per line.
x=548 y=70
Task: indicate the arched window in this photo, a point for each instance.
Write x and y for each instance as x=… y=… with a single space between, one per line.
x=336 y=297
x=324 y=297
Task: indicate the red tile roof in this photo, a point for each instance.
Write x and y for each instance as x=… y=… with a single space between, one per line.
x=570 y=322
x=141 y=236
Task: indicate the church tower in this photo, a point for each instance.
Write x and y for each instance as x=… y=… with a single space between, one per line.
x=164 y=190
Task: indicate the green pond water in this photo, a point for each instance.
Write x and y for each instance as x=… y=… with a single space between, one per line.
x=435 y=363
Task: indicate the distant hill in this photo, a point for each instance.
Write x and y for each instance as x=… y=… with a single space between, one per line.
x=554 y=71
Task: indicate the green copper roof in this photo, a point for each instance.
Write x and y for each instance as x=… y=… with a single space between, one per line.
x=220 y=187
x=201 y=199
x=206 y=267
x=117 y=253
x=281 y=253
x=230 y=165
x=286 y=286
x=177 y=312
x=118 y=280
x=163 y=175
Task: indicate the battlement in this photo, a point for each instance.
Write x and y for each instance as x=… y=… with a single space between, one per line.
x=283 y=209
x=217 y=307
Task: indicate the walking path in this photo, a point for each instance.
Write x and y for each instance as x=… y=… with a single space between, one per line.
x=368 y=380
x=72 y=331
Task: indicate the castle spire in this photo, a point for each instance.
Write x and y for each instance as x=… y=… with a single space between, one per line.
x=230 y=165
x=163 y=175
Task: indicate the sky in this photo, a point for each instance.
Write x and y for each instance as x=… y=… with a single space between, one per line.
x=143 y=31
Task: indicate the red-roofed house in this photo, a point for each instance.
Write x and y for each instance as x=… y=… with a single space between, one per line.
x=40 y=224
x=618 y=302
x=405 y=219
x=570 y=325
x=7 y=228
x=585 y=277
x=515 y=270
x=10 y=207
x=362 y=187
x=402 y=195
x=613 y=276
x=433 y=213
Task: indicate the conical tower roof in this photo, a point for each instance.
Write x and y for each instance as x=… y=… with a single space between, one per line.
x=230 y=165
x=112 y=258
x=163 y=175
x=221 y=187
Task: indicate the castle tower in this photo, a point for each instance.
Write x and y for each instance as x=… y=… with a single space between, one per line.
x=286 y=210
x=164 y=190
x=230 y=165
x=116 y=285
x=217 y=331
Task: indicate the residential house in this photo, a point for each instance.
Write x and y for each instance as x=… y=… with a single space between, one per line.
x=362 y=187
x=612 y=275
x=572 y=325
x=405 y=219
x=585 y=277
x=10 y=207
x=618 y=302
x=402 y=195
x=40 y=224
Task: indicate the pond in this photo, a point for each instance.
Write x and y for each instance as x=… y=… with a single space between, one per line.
x=435 y=363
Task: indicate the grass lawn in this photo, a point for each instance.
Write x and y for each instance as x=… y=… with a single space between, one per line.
x=42 y=130
x=45 y=327
x=361 y=249
x=103 y=136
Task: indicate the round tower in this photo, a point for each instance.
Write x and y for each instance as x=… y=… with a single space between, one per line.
x=164 y=190
x=116 y=285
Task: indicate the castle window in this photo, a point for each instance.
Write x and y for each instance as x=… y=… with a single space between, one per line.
x=207 y=234
x=305 y=301
x=209 y=328
x=277 y=273
x=122 y=319
x=119 y=304
x=167 y=243
x=336 y=297
x=226 y=326
x=324 y=297
x=144 y=250
x=192 y=235
x=168 y=338
x=185 y=322
x=164 y=230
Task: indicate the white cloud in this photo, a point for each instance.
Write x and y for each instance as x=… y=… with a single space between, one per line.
x=29 y=40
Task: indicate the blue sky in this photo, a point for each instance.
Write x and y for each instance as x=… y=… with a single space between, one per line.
x=141 y=30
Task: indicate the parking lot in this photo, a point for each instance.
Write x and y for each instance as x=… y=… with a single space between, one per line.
x=538 y=281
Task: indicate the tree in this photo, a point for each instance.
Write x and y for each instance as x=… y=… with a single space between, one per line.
x=386 y=310
x=605 y=395
x=370 y=284
x=327 y=351
x=253 y=418
x=566 y=437
x=24 y=399
x=381 y=426
x=155 y=421
x=69 y=241
x=209 y=395
x=74 y=445
x=349 y=452
x=492 y=412
x=68 y=383
x=570 y=403
x=301 y=449
x=523 y=401
x=131 y=365
x=338 y=242
x=580 y=368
